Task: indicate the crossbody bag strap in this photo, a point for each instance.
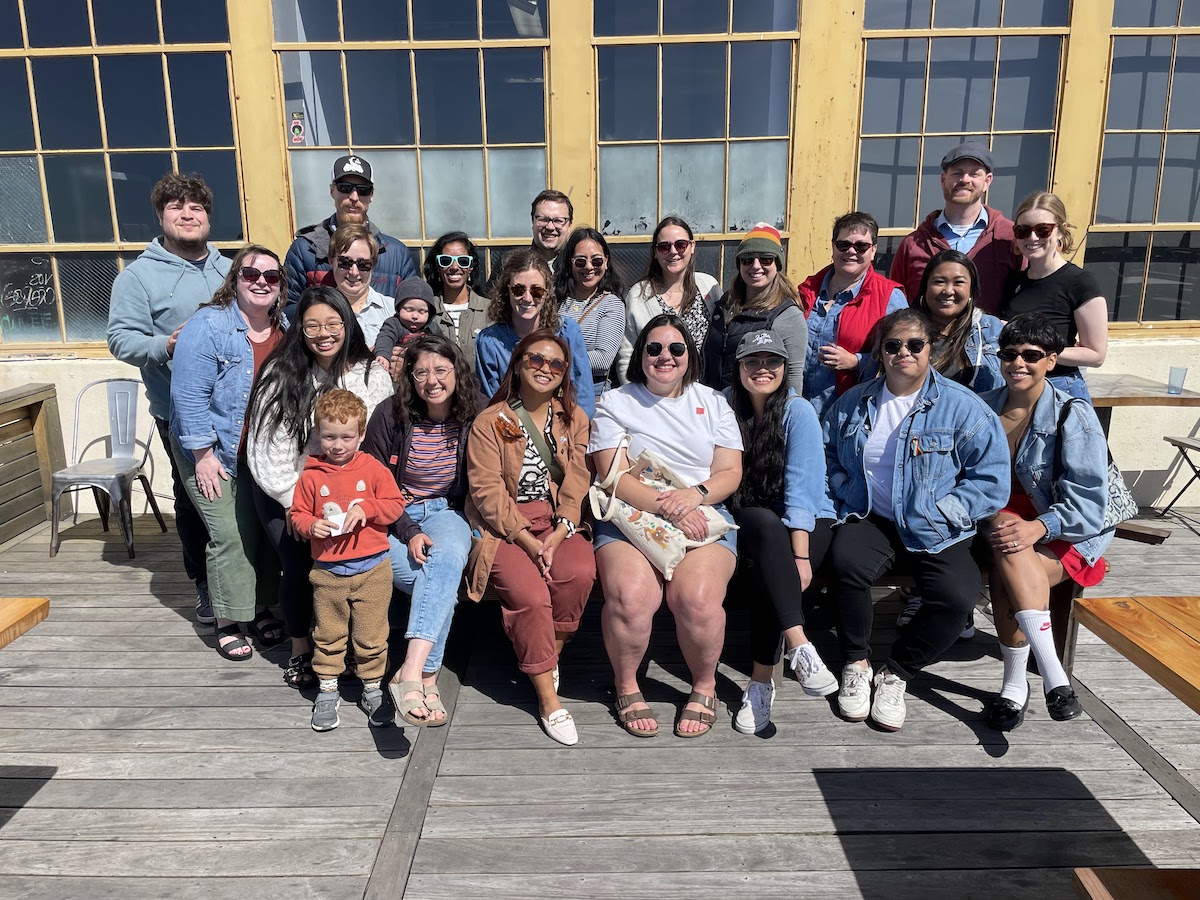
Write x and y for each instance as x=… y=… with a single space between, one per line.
x=583 y=315
x=539 y=442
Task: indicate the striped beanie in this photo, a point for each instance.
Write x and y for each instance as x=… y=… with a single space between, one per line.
x=762 y=239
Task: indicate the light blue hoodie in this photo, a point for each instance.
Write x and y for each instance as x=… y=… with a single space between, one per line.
x=154 y=295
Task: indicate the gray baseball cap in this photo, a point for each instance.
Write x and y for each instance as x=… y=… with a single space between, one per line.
x=765 y=341
x=968 y=150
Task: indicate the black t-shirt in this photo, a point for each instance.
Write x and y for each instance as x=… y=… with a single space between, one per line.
x=1056 y=297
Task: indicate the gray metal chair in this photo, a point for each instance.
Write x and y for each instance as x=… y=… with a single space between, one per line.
x=1184 y=444
x=111 y=478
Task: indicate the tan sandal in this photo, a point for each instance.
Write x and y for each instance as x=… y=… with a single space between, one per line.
x=706 y=717
x=626 y=716
x=433 y=703
x=406 y=707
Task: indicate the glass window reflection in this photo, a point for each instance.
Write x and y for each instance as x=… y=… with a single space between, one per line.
x=1137 y=87
x=960 y=84
x=308 y=20
x=65 y=88
x=195 y=21
x=628 y=93
x=507 y=19
x=621 y=17
x=133 y=178
x=380 y=88
x=1128 y=178
x=764 y=15
x=514 y=176
x=1034 y=13
x=1022 y=167
x=1179 y=196
x=219 y=168
x=895 y=86
x=1118 y=263
x=448 y=96
x=1185 y=85
x=757 y=190
x=887 y=179
x=78 y=191
x=312 y=86
x=125 y=21
x=29 y=305
x=1027 y=92
x=897 y=13
x=85 y=283
x=693 y=90
x=760 y=88
x=1173 y=281
x=514 y=85
x=453 y=191
x=689 y=174
x=140 y=124
x=370 y=20
x=967 y=14
x=1141 y=13
x=200 y=99
x=695 y=16
x=445 y=20
x=15 y=112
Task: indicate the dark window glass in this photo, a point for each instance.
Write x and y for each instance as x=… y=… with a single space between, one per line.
x=897 y=13
x=125 y=21
x=200 y=99
x=370 y=20
x=1118 y=263
x=887 y=180
x=695 y=16
x=1128 y=178
x=28 y=304
x=17 y=133
x=1027 y=93
x=380 y=97
x=960 y=84
x=448 y=96
x=505 y=19
x=515 y=88
x=130 y=124
x=85 y=282
x=693 y=89
x=58 y=23
x=1185 y=85
x=1032 y=13
x=445 y=20
x=219 y=169
x=66 y=98
x=967 y=14
x=764 y=15
x=78 y=189
x=195 y=21
x=310 y=20
x=133 y=177
x=621 y=17
x=312 y=87
x=1173 y=282
x=628 y=93
x=1179 y=196
x=760 y=87
x=1136 y=13
x=1189 y=16
x=1022 y=167
x=895 y=86
x=1137 y=87
x=10 y=24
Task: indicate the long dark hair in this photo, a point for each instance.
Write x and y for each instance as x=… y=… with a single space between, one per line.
x=564 y=277
x=654 y=272
x=408 y=404
x=763 y=460
x=287 y=386
x=510 y=384
x=954 y=350
x=227 y=292
x=634 y=373
x=433 y=272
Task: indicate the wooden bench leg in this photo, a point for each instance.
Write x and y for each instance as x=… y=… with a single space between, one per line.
x=1063 y=622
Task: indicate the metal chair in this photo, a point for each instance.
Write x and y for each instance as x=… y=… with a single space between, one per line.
x=111 y=478
x=1184 y=445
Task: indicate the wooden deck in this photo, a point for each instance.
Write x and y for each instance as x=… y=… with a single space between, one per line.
x=135 y=763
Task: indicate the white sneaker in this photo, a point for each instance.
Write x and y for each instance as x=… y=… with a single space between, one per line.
x=854 y=700
x=888 y=709
x=814 y=676
x=560 y=726
x=969 y=631
x=755 y=714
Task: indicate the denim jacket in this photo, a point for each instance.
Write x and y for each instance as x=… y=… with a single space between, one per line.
x=982 y=343
x=952 y=464
x=1071 y=508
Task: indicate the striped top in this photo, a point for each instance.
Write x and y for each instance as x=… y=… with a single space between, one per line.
x=432 y=460
x=603 y=328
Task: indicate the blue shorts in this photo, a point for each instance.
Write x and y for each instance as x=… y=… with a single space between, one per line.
x=607 y=532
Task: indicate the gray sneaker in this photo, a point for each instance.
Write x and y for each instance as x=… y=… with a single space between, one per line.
x=325 y=711
x=204 y=612
x=378 y=713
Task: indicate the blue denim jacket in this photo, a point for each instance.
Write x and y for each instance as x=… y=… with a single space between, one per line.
x=1071 y=508
x=982 y=343
x=952 y=464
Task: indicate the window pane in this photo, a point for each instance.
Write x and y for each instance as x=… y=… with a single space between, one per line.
x=28 y=307
x=760 y=87
x=693 y=87
x=515 y=177
x=695 y=16
x=17 y=133
x=448 y=96
x=895 y=86
x=133 y=177
x=516 y=96
x=380 y=88
x=514 y=19
x=1134 y=13
x=311 y=175
x=369 y=20
x=689 y=172
x=195 y=21
x=306 y=20
x=1118 y=263
x=66 y=99
x=1022 y=166
x=1137 y=88
x=960 y=84
x=1128 y=177
x=394 y=208
x=22 y=215
x=200 y=99
x=10 y=24
x=757 y=184
x=967 y=14
x=140 y=124
x=1027 y=91
x=1185 y=85
x=219 y=168
x=897 y=13
x=85 y=280
x=628 y=190
x=125 y=21
x=78 y=188
x=1179 y=198
x=628 y=93
x=1032 y=13
x=1173 y=282
x=454 y=192
x=619 y=17
x=58 y=23
x=445 y=20
x=312 y=86
x=764 y=15
x=1189 y=16
x=887 y=180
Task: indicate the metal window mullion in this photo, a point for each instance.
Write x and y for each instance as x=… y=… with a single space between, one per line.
x=166 y=74
x=104 y=156
x=346 y=101
x=658 y=131
x=1162 y=149
x=62 y=325
x=162 y=35
x=91 y=17
x=728 y=91
x=412 y=80
x=37 y=147
x=1145 y=278
x=237 y=149
x=924 y=114
x=487 y=190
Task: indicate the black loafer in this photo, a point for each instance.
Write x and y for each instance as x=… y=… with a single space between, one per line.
x=1005 y=715
x=1062 y=704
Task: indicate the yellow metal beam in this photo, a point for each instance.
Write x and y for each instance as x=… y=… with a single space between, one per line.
x=572 y=113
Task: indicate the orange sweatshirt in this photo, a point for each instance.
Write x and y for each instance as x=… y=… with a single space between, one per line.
x=325 y=490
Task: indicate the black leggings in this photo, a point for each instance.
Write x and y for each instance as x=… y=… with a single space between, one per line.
x=772 y=580
x=295 y=558
x=193 y=534
x=948 y=583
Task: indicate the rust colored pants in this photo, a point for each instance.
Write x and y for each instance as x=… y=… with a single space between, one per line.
x=351 y=608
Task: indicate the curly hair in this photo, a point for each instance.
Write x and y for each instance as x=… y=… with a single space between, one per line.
x=763 y=461
x=227 y=292
x=408 y=405
x=500 y=309
x=433 y=272
x=341 y=405
x=954 y=351
x=564 y=278
x=187 y=188
x=510 y=383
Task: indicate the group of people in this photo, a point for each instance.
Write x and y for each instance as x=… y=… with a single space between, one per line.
x=340 y=428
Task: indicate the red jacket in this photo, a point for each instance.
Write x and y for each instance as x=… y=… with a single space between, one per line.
x=325 y=489
x=994 y=255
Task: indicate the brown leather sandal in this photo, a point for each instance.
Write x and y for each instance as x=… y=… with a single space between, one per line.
x=626 y=716
x=706 y=717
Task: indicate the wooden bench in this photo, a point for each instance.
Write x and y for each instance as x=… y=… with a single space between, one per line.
x=1119 y=883
x=19 y=614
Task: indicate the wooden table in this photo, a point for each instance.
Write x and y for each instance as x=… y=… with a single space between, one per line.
x=1160 y=635
x=1131 y=390
x=19 y=614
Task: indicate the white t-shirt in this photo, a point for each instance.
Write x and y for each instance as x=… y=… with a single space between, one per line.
x=682 y=430
x=879 y=454
x=455 y=310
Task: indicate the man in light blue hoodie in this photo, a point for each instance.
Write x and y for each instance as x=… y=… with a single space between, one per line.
x=151 y=299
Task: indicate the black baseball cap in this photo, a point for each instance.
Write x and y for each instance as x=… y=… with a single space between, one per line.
x=352 y=165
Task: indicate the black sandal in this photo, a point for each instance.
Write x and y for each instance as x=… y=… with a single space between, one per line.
x=299 y=672
x=233 y=630
x=267 y=630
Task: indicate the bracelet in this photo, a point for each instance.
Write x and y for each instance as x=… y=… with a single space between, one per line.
x=805 y=558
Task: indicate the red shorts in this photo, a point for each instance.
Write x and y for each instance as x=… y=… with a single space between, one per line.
x=1072 y=561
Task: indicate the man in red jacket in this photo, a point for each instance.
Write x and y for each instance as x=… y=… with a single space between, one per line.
x=964 y=224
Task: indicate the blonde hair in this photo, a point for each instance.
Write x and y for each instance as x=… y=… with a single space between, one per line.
x=342 y=239
x=1053 y=205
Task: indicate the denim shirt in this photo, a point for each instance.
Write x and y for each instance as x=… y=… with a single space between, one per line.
x=1071 y=507
x=952 y=463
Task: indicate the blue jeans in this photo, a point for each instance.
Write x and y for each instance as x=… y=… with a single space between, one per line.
x=434 y=585
x=1075 y=385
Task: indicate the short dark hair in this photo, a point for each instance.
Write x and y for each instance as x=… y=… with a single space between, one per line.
x=905 y=317
x=1032 y=328
x=856 y=221
x=433 y=272
x=189 y=188
x=635 y=375
x=555 y=197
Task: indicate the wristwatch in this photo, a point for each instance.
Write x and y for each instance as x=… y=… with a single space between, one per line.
x=703 y=490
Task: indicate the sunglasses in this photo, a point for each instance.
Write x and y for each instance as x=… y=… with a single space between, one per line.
x=913 y=345
x=345 y=263
x=446 y=260
x=349 y=187
x=763 y=261
x=1030 y=356
x=770 y=363
x=249 y=274
x=676 y=348
x=1042 y=230
x=312 y=329
x=554 y=364
x=536 y=291
x=582 y=262
x=679 y=245
x=859 y=246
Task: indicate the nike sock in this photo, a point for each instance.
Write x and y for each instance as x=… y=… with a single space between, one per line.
x=1016 y=683
x=1036 y=625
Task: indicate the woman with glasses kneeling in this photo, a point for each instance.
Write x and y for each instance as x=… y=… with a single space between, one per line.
x=913 y=461
x=693 y=430
x=528 y=478
x=1052 y=527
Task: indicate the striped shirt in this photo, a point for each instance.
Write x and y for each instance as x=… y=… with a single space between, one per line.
x=603 y=329
x=432 y=460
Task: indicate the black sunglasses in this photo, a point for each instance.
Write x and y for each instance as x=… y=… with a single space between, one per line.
x=763 y=261
x=914 y=345
x=446 y=260
x=346 y=263
x=1008 y=354
x=249 y=274
x=679 y=245
x=349 y=187
x=677 y=348
x=859 y=246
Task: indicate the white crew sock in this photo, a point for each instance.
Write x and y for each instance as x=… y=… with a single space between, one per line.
x=1016 y=684
x=1036 y=625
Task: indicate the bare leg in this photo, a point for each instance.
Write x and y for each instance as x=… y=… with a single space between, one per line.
x=632 y=594
x=413 y=669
